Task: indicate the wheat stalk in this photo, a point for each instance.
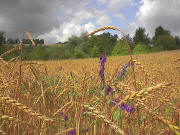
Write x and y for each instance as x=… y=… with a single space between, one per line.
x=65 y=131
x=97 y=114
x=60 y=109
x=12 y=119
x=166 y=122
x=1 y=59
x=9 y=51
x=22 y=107
x=2 y=132
x=141 y=93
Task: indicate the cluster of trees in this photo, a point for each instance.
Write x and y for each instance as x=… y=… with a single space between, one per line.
x=96 y=45
x=36 y=41
x=3 y=40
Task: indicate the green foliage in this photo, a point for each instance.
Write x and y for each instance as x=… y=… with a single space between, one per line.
x=157 y=48
x=177 y=41
x=78 y=53
x=116 y=115
x=38 y=53
x=130 y=41
x=167 y=110
x=2 y=38
x=163 y=40
x=141 y=48
x=104 y=43
x=167 y=41
x=95 y=52
x=120 y=48
x=141 y=37
x=159 y=31
x=5 y=48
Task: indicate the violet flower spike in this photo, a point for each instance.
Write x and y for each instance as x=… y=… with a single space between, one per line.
x=123 y=69
x=101 y=72
x=109 y=90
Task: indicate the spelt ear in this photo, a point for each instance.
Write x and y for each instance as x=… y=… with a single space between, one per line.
x=29 y=36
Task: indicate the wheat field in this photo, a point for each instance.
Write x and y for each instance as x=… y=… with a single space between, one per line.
x=128 y=95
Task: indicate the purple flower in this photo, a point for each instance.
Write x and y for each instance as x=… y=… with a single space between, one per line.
x=60 y=68
x=65 y=116
x=109 y=90
x=72 y=132
x=101 y=72
x=116 y=101
x=123 y=70
x=86 y=130
x=84 y=110
x=103 y=58
x=125 y=107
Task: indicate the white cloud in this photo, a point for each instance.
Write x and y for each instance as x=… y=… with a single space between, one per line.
x=102 y=1
x=79 y=22
x=65 y=31
x=153 y=13
x=120 y=16
x=117 y=5
x=104 y=20
x=89 y=27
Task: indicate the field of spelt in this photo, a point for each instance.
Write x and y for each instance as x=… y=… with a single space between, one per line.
x=127 y=95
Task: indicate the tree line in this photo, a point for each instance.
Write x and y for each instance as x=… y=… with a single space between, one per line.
x=3 y=40
x=96 y=45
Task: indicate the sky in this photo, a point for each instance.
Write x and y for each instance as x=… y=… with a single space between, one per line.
x=57 y=20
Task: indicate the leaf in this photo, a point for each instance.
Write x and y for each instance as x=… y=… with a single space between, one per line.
x=168 y=110
x=116 y=115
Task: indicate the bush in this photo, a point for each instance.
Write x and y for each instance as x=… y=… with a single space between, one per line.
x=95 y=52
x=120 y=48
x=78 y=53
x=141 y=48
x=157 y=48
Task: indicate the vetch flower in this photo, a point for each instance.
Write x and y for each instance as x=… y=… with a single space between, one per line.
x=123 y=70
x=86 y=130
x=116 y=101
x=72 y=132
x=65 y=116
x=109 y=90
x=125 y=107
x=101 y=72
x=60 y=68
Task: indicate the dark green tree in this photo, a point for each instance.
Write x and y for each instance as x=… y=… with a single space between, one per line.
x=104 y=43
x=2 y=38
x=163 y=39
x=159 y=31
x=166 y=41
x=177 y=41
x=141 y=36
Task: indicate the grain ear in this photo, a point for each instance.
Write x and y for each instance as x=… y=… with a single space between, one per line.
x=29 y=36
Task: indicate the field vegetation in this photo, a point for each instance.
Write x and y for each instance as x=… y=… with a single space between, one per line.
x=127 y=95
